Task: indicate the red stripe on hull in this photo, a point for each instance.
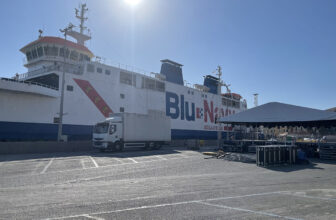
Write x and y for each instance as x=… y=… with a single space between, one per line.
x=93 y=95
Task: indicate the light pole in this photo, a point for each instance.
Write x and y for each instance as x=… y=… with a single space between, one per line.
x=60 y=121
x=219 y=92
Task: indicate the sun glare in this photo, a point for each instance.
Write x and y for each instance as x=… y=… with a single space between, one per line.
x=132 y=2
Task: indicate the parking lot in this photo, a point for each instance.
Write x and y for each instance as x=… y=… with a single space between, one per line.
x=171 y=183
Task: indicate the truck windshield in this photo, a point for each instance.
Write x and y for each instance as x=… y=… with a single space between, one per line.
x=101 y=128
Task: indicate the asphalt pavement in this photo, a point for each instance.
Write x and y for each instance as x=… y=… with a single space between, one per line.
x=171 y=183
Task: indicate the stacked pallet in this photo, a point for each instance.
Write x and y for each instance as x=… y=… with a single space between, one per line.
x=269 y=155
x=328 y=151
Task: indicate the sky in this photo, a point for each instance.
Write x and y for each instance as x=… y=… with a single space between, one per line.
x=283 y=50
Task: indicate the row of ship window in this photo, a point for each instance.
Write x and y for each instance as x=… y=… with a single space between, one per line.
x=130 y=79
x=230 y=103
x=91 y=68
x=37 y=52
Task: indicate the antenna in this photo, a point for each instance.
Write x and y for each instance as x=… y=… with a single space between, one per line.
x=255 y=99
x=220 y=82
x=81 y=17
x=80 y=36
x=40 y=33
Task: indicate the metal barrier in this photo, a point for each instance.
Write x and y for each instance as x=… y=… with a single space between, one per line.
x=270 y=155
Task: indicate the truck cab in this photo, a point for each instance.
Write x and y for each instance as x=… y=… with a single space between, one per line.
x=106 y=134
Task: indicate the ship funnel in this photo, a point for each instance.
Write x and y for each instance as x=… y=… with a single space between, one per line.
x=212 y=83
x=172 y=71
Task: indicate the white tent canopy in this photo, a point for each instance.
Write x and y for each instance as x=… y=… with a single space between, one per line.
x=280 y=114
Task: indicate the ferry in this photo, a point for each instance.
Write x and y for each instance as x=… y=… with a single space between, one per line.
x=67 y=89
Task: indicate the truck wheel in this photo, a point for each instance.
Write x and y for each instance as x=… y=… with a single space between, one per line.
x=118 y=146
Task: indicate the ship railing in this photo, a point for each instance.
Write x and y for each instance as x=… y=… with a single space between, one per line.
x=122 y=66
x=29 y=83
x=69 y=68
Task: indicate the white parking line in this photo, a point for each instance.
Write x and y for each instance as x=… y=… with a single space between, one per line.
x=47 y=166
x=112 y=165
x=93 y=217
x=94 y=162
x=305 y=196
x=188 y=202
x=247 y=210
x=119 y=160
x=82 y=163
x=162 y=158
x=131 y=159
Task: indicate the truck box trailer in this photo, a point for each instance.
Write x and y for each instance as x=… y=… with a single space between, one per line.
x=132 y=130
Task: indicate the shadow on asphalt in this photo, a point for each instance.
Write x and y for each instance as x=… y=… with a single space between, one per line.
x=129 y=152
x=295 y=167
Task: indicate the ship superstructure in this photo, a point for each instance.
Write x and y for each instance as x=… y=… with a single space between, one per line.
x=30 y=102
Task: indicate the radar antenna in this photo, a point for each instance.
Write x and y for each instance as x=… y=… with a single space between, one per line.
x=40 y=33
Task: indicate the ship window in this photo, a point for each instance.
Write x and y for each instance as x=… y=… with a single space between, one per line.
x=122 y=109
x=74 y=55
x=152 y=84
x=127 y=78
x=40 y=51
x=34 y=53
x=235 y=104
x=90 y=68
x=160 y=86
x=108 y=72
x=47 y=50
x=99 y=70
x=29 y=55
x=192 y=92
x=69 y=88
x=149 y=84
x=122 y=96
x=188 y=91
x=61 y=52
x=86 y=57
x=54 y=51
x=81 y=57
x=224 y=101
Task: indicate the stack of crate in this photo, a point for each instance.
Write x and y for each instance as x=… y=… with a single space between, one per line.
x=328 y=151
x=269 y=155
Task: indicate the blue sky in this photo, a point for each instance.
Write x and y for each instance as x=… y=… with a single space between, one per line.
x=284 y=50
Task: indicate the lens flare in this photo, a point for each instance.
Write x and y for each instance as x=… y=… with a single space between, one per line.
x=132 y=2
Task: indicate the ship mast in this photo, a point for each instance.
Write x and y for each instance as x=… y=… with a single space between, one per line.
x=81 y=17
x=80 y=36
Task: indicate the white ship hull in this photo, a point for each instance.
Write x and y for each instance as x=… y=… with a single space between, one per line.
x=28 y=111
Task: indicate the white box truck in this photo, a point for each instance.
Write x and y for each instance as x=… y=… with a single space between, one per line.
x=123 y=130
